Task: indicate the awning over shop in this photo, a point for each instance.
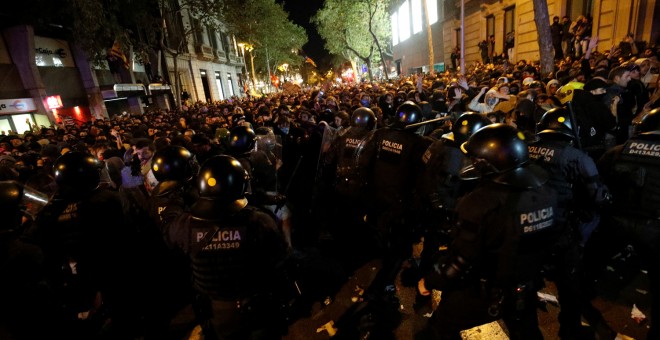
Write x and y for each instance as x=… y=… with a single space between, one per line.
x=158 y=88
x=124 y=90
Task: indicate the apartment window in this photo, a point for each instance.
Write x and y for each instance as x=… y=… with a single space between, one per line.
x=230 y=84
x=490 y=26
x=404 y=21
x=218 y=83
x=432 y=7
x=222 y=42
x=457 y=38
x=575 y=8
x=199 y=31
x=509 y=20
x=213 y=38
x=395 y=29
x=417 y=16
x=174 y=22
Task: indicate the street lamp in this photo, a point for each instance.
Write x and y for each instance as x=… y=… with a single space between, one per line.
x=249 y=47
x=285 y=66
x=242 y=46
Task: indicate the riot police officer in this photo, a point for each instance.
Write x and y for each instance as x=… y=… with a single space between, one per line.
x=235 y=250
x=574 y=176
x=348 y=189
x=443 y=161
x=342 y=152
x=262 y=172
x=440 y=187
x=169 y=269
x=504 y=231
x=174 y=167
x=23 y=315
x=632 y=173
x=391 y=161
x=89 y=252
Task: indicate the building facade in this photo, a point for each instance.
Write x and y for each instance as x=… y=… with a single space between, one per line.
x=48 y=80
x=212 y=67
x=45 y=79
x=611 y=21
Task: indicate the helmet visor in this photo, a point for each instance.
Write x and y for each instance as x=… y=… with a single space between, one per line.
x=33 y=201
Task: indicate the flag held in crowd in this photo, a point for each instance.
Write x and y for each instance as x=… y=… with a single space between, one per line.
x=310 y=61
x=117 y=54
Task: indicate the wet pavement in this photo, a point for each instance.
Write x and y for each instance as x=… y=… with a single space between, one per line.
x=617 y=295
x=615 y=306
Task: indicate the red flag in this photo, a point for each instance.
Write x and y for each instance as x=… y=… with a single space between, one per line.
x=310 y=61
x=116 y=52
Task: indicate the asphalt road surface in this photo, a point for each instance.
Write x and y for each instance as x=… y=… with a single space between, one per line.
x=621 y=286
x=619 y=294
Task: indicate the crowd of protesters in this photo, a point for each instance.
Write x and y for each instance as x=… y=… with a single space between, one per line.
x=607 y=92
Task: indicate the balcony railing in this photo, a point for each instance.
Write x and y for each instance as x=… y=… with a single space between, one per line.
x=221 y=56
x=204 y=52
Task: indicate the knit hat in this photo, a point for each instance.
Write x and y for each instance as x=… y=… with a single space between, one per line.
x=550 y=83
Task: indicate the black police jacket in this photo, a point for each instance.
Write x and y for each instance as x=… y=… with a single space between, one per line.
x=504 y=235
x=632 y=173
x=233 y=258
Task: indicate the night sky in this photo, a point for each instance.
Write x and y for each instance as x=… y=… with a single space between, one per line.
x=300 y=11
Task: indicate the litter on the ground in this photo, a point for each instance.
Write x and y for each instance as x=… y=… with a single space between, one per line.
x=637 y=314
x=328 y=327
x=547 y=297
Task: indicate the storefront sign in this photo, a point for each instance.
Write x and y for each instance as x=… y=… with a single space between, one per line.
x=52 y=52
x=17 y=105
x=53 y=102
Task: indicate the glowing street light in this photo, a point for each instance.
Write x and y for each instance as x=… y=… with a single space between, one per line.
x=249 y=47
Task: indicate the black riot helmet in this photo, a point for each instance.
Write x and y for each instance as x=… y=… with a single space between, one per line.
x=18 y=201
x=266 y=139
x=499 y=152
x=555 y=122
x=222 y=183
x=173 y=163
x=467 y=124
x=363 y=117
x=408 y=113
x=241 y=140
x=11 y=194
x=650 y=123
x=77 y=173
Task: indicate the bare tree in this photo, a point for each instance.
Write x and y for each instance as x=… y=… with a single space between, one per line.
x=175 y=37
x=429 y=37
x=547 y=52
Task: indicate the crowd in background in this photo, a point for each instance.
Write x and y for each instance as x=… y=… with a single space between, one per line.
x=606 y=92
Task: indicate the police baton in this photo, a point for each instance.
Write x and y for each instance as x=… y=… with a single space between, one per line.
x=412 y=126
x=574 y=125
x=288 y=185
